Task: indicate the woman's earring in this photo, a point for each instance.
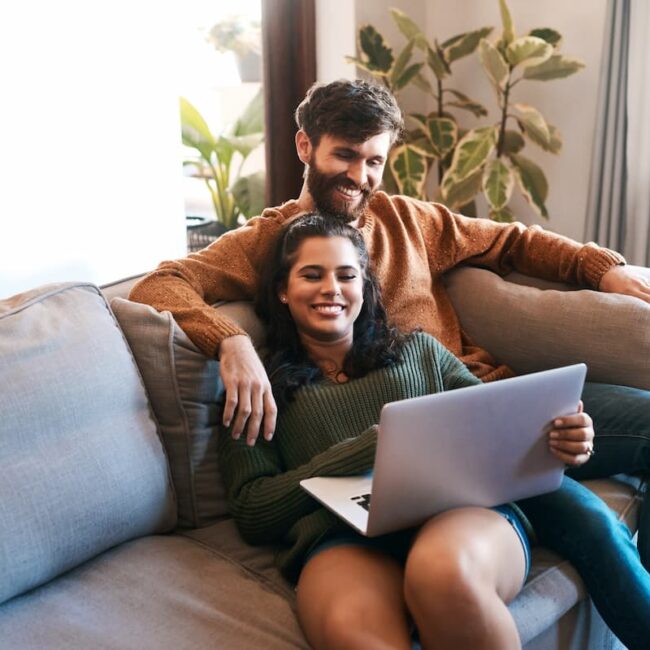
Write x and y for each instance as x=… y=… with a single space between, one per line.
x=283 y=299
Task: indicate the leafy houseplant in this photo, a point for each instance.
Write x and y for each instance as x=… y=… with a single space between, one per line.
x=486 y=159
x=243 y=37
x=220 y=158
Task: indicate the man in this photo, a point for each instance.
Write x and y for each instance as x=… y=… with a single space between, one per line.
x=345 y=132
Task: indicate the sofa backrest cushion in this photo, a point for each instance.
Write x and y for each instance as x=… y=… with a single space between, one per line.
x=547 y=325
x=185 y=389
x=83 y=468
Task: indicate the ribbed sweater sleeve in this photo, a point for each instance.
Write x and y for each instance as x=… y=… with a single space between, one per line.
x=265 y=498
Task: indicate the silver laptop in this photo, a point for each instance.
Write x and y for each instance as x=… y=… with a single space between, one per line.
x=477 y=446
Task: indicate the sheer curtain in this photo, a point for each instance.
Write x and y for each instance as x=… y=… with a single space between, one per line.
x=618 y=209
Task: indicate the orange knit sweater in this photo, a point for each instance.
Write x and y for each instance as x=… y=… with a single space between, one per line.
x=411 y=244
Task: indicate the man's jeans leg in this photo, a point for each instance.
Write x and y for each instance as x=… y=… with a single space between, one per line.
x=577 y=524
x=621 y=418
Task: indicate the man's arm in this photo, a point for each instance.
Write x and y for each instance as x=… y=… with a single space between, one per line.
x=453 y=240
x=227 y=270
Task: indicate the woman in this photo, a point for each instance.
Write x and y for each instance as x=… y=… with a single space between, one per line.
x=333 y=362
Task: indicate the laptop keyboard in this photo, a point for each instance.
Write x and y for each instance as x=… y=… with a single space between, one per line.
x=362 y=500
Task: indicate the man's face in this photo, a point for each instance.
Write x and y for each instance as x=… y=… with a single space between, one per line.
x=343 y=175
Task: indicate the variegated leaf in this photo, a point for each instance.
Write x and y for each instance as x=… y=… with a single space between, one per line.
x=401 y=61
x=410 y=73
x=409 y=169
x=443 y=134
x=494 y=64
x=472 y=151
x=528 y=51
x=379 y=55
x=464 y=44
x=498 y=182
x=409 y=28
x=555 y=67
x=508 y=26
x=532 y=183
x=467 y=104
x=457 y=193
x=549 y=35
x=534 y=124
x=437 y=63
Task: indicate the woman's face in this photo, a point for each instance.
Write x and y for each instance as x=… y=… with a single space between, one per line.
x=324 y=290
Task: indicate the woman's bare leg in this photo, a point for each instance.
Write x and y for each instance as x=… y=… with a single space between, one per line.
x=352 y=597
x=464 y=567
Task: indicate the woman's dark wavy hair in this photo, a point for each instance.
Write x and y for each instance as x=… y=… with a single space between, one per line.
x=375 y=343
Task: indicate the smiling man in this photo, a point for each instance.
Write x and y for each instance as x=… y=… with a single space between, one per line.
x=345 y=132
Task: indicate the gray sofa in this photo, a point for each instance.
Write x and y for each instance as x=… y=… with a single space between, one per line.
x=114 y=529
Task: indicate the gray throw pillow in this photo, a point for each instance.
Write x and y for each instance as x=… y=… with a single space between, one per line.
x=530 y=328
x=184 y=388
x=83 y=468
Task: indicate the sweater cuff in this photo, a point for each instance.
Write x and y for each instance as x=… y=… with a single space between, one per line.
x=596 y=262
x=210 y=342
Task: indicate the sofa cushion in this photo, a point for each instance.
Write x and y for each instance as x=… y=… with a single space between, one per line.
x=531 y=329
x=82 y=466
x=184 y=387
x=163 y=592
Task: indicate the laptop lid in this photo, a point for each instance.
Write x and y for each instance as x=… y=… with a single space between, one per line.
x=482 y=445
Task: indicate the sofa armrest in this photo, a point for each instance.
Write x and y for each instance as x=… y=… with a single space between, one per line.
x=531 y=328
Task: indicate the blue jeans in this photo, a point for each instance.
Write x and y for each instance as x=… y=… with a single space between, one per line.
x=579 y=526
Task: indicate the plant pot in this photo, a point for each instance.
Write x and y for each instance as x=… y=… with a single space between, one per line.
x=249 y=66
x=201 y=232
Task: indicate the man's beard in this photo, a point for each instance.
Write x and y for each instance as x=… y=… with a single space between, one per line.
x=322 y=187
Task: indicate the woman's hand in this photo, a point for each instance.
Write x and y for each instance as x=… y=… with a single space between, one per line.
x=572 y=438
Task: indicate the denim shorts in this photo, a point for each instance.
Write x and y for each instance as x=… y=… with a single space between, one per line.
x=398 y=544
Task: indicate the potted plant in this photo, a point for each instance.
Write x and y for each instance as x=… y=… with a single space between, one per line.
x=219 y=160
x=485 y=159
x=243 y=37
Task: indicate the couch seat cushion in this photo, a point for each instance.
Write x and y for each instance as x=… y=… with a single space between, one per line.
x=163 y=592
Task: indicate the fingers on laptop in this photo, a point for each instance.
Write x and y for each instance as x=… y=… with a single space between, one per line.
x=572 y=438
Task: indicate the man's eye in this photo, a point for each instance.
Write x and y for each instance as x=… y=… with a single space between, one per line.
x=375 y=163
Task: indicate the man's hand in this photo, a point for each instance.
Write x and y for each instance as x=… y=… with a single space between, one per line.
x=623 y=280
x=248 y=391
x=572 y=438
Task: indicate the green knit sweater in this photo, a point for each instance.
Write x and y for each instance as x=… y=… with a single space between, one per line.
x=327 y=430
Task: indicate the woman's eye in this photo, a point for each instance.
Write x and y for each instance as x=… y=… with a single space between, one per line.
x=311 y=276
x=347 y=278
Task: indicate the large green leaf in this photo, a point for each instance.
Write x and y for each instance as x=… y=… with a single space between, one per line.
x=467 y=104
x=379 y=55
x=508 y=34
x=493 y=63
x=534 y=125
x=498 y=182
x=195 y=131
x=364 y=65
x=528 y=51
x=555 y=67
x=464 y=44
x=249 y=194
x=252 y=118
x=532 y=183
x=443 y=134
x=472 y=151
x=409 y=169
x=549 y=35
x=457 y=193
x=409 y=28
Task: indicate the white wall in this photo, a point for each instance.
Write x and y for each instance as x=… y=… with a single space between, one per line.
x=569 y=104
x=90 y=180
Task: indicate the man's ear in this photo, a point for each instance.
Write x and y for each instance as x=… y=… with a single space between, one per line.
x=303 y=147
